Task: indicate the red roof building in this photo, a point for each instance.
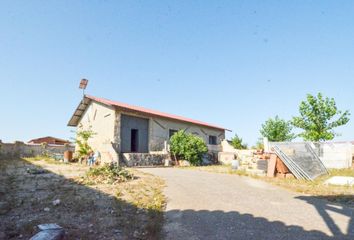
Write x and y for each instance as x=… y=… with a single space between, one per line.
x=133 y=129
x=49 y=140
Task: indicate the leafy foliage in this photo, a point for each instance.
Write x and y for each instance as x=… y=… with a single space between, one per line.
x=237 y=142
x=277 y=130
x=109 y=173
x=316 y=118
x=259 y=144
x=82 y=137
x=188 y=147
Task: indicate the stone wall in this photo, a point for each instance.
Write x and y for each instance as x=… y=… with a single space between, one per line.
x=226 y=157
x=142 y=159
x=21 y=149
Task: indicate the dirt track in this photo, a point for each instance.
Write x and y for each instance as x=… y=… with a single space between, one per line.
x=204 y=205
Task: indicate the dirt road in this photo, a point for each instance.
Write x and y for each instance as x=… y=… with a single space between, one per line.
x=203 y=205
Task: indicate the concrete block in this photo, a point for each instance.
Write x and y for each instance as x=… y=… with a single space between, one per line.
x=340 y=180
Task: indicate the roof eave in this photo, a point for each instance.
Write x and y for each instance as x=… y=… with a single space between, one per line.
x=80 y=109
x=75 y=119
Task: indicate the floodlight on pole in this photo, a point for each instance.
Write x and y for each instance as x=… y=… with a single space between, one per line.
x=83 y=85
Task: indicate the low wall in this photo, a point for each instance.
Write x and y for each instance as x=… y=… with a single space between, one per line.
x=336 y=155
x=142 y=159
x=21 y=149
x=245 y=156
x=226 y=157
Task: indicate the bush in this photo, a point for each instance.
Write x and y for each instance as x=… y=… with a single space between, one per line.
x=109 y=173
x=186 y=146
x=277 y=130
x=82 y=138
x=237 y=142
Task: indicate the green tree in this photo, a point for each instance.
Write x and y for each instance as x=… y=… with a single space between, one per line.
x=259 y=144
x=188 y=147
x=237 y=142
x=318 y=117
x=277 y=130
x=82 y=138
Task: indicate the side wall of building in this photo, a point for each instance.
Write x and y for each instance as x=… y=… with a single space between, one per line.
x=101 y=119
x=159 y=130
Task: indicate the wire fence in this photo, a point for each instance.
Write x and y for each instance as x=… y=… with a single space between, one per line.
x=301 y=159
x=332 y=154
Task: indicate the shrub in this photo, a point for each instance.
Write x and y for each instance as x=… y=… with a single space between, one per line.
x=259 y=145
x=237 y=142
x=109 y=173
x=188 y=147
x=82 y=137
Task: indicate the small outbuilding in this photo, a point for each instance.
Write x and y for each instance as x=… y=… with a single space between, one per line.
x=136 y=135
x=48 y=140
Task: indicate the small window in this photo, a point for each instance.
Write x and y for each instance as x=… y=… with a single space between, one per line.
x=171 y=132
x=212 y=140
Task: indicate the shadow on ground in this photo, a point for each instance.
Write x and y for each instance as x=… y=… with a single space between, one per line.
x=324 y=208
x=233 y=225
x=87 y=213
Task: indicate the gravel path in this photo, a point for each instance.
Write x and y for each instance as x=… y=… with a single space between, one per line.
x=204 y=205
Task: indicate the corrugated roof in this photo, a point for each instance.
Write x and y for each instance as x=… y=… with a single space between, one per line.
x=83 y=104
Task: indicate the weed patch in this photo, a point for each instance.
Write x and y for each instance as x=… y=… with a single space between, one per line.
x=107 y=174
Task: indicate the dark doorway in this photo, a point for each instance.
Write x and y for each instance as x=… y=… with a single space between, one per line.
x=134 y=143
x=134 y=132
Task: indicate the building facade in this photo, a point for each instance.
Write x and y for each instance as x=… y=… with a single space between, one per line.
x=121 y=129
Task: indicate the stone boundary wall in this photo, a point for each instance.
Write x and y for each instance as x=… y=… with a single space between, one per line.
x=142 y=159
x=21 y=149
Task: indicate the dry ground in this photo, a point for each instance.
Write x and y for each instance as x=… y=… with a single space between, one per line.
x=339 y=194
x=128 y=210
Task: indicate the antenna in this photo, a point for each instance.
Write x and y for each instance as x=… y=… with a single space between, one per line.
x=83 y=85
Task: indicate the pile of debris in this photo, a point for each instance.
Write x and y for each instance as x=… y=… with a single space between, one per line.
x=50 y=231
x=253 y=161
x=276 y=168
x=286 y=160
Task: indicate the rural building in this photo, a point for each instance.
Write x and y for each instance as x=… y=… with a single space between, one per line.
x=48 y=140
x=128 y=133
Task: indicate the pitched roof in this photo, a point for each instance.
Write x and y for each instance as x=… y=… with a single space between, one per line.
x=49 y=137
x=74 y=121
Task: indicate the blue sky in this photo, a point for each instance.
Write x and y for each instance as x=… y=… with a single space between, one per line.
x=231 y=63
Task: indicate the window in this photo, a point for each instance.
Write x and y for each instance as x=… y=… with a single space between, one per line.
x=212 y=140
x=171 y=132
